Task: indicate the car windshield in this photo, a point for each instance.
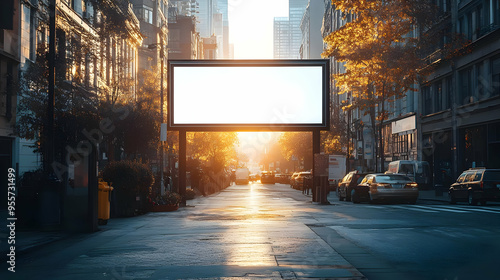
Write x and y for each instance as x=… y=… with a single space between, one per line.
x=391 y=178
x=491 y=175
x=360 y=178
x=406 y=168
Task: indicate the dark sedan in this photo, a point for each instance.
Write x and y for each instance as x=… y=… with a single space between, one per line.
x=476 y=185
x=347 y=184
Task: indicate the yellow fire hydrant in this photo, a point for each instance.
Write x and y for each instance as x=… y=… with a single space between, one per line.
x=104 y=199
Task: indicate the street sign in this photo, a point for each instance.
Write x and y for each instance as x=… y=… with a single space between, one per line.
x=163 y=132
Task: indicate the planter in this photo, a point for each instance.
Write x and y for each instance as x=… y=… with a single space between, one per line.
x=164 y=208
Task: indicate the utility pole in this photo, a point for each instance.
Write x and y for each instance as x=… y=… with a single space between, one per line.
x=49 y=152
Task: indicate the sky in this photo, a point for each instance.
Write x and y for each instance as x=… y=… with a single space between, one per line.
x=251 y=26
x=251 y=32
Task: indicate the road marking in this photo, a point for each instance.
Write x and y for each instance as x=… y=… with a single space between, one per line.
x=440 y=209
x=437 y=208
x=491 y=208
x=373 y=206
x=414 y=209
x=471 y=209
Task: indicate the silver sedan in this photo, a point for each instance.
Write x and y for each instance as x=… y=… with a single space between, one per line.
x=380 y=187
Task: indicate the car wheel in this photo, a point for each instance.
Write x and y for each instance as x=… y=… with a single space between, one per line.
x=452 y=198
x=370 y=198
x=472 y=200
x=354 y=197
x=348 y=194
x=341 y=198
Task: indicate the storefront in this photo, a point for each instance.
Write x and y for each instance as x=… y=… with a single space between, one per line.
x=400 y=140
x=479 y=146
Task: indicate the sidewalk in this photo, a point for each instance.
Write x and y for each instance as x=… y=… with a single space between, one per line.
x=243 y=232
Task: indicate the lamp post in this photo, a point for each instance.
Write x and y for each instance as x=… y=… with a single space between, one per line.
x=163 y=131
x=348 y=163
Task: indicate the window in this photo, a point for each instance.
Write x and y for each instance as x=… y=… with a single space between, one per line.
x=495 y=76
x=465 y=88
x=448 y=93
x=148 y=15
x=470 y=177
x=478 y=176
x=438 y=93
x=426 y=94
x=461 y=178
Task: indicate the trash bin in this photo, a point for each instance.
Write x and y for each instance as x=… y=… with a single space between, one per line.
x=103 y=202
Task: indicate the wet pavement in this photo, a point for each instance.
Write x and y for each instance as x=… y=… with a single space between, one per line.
x=245 y=232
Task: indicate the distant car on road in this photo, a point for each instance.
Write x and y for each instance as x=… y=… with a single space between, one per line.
x=347 y=184
x=385 y=187
x=476 y=185
x=242 y=176
x=267 y=177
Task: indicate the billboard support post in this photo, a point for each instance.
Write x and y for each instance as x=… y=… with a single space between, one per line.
x=182 y=165
x=315 y=150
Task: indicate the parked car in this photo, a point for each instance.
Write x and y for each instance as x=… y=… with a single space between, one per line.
x=476 y=185
x=347 y=184
x=299 y=179
x=267 y=177
x=385 y=187
x=292 y=179
x=282 y=178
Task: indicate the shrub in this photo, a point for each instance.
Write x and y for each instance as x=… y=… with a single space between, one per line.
x=129 y=179
x=190 y=194
x=169 y=198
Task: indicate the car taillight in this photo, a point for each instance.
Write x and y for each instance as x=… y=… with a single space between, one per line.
x=482 y=184
x=383 y=185
x=411 y=185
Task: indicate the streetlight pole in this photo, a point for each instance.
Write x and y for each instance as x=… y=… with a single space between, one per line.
x=348 y=162
x=163 y=132
x=162 y=184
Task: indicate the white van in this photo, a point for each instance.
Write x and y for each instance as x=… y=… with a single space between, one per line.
x=418 y=171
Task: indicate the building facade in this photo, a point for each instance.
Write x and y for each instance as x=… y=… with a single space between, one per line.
x=452 y=121
x=93 y=61
x=287 y=36
x=460 y=101
x=10 y=56
x=296 y=10
x=281 y=38
x=312 y=40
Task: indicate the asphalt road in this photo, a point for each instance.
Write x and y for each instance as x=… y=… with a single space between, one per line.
x=274 y=232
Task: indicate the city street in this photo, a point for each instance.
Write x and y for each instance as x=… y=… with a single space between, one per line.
x=274 y=232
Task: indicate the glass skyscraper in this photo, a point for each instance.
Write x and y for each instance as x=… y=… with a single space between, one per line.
x=292 y=34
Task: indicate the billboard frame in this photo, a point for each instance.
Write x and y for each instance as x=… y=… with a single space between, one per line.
x=325 y=106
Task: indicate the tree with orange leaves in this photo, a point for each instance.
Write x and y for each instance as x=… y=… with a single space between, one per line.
x=381 y=48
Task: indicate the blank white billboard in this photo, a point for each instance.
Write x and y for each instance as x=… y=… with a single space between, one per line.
x=239 y=94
